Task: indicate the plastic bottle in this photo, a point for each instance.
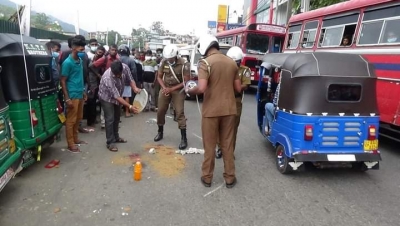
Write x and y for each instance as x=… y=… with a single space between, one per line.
x=137 y=171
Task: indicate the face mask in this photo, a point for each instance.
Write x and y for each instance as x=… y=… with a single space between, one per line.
x=81 y=54
x=93 y=48
x=55 y=54
x=147 y=58
x=392 y=39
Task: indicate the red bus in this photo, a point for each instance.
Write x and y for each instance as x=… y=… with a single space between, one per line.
x=367 y=27
x=255 y=40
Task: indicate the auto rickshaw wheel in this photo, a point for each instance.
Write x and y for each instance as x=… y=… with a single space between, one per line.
x=359 y=166
x=282 y=161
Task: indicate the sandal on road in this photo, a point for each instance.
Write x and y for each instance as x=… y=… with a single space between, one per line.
x=83 y=130
x=120 y=140
x=52 y=164
x=74 y=149
x=112 y=148
x=81 y=142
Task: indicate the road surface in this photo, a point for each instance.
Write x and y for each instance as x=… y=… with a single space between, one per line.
x=96 y=186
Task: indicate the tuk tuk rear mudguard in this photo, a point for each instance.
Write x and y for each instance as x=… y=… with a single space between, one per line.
x=282 y=139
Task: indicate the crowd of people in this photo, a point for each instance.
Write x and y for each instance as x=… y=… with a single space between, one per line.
x=108 y=76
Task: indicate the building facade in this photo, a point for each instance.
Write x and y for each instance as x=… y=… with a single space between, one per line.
x=258 y=11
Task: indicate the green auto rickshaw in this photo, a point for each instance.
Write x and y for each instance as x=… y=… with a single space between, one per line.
x=10 y=156
x=30 y=91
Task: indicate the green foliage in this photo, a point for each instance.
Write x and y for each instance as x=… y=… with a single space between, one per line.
x=111 y=37
x=42 y=21
x=158 y=27
x=139 y=36
x=6 y=12
x=315 y=4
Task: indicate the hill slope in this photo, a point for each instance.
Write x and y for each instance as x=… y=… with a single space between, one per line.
x=67 y=27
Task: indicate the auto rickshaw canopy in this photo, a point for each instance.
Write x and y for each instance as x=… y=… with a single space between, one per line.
x=325 y=83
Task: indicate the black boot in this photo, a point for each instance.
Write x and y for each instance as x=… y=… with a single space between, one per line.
x=183 y=144
x=175 y=119
x=160 y=134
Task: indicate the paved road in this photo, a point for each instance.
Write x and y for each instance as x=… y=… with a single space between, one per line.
x=96 y=187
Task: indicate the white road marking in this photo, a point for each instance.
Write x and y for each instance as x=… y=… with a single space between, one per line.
x=197 y=136
x=216 y=189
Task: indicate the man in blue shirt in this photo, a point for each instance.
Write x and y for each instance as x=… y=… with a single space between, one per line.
x=73 y=88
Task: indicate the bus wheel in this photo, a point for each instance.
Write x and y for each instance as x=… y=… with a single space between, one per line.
x=359 y=166
x=282 y=161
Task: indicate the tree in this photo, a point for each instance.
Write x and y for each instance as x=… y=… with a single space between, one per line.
x=111 y=37
x=158 y=27
x=315 y=4
x=41 y=21
x=6 y=12
x=139 y=36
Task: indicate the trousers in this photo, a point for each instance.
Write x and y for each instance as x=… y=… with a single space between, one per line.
x=112 y=115
x=74 y=117
x=149 y=87
x=224 y=128
x=178 y=101
x=237 y=122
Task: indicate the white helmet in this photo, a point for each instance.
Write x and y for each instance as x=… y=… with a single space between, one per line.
x=205 y=42
x=235 y=53
x=184 y=52
x=170 y=51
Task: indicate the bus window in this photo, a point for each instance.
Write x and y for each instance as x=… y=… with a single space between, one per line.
x=257 y=43
x=309 y=34
x=370 y=32
x=337 y=28
x=238 y=40
x=277 y=44
x=294 y=36
x=376 y=20
x=229 y=41
x=332 y=36
x=390 y=32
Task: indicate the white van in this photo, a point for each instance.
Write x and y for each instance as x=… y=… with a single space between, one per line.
x=195 y=57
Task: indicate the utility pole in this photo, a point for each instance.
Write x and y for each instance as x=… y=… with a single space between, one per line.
x=289 y=10
x=305 y=6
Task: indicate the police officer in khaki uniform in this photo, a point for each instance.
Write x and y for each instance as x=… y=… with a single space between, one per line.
x=172 y=74
x=244 y=73
x=218 y=80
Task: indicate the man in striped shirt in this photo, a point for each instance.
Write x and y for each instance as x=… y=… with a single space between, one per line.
x=110 y=94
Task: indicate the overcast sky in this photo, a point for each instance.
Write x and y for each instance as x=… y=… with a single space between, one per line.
x=122 y=15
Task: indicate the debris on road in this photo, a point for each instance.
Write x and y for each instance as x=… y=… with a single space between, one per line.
x=190 y=151
x=152 y=121
x=57 y=210
x=164 y=162
x=152 y=151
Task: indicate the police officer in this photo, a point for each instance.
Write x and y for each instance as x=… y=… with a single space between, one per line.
x=218 y=80
x=244 y=73
x=171 y=75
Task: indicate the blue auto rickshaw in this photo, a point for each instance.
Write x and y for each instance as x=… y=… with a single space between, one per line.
x=326 y=112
